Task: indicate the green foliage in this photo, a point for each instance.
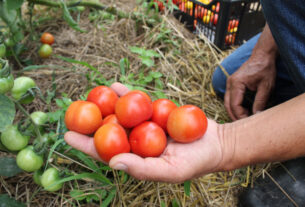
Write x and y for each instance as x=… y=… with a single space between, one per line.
x=7 y=112
x=9 y=167
x=187 y=188
x=7 y=201
x=147 y=56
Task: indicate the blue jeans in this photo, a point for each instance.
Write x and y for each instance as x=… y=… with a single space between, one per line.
x=287 y=24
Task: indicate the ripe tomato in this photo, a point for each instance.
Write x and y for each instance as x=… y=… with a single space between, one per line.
x=140 y=92
x=147 y=140
x=110 y=140
x=47 y=38
x=12 y=139
x=111 y=119
x=45 y=51
x=161 y=110
x=48 y=179
x=105 y=98
x=28 y=160
x=132 y=109
x=187 y=123
x=83 y=117
x=21 y=86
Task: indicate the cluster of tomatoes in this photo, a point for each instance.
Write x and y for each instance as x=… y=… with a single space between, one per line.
x=133 y=122
x=46 y=50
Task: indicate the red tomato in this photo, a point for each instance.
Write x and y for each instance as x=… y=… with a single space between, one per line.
x=161 y=110
x=47 y=38
x=147 y=140
x=110 y=140
x=187 y=123
x=132 y=109
x=140 y=92
x=105 y=98
x=83 y=117
x=111 y=119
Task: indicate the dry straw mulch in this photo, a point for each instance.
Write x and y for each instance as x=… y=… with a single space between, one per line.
x=186 y=73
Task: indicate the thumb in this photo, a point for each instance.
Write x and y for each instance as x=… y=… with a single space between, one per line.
x=155 y=169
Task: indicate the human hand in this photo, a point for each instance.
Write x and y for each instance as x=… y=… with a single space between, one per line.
x=179 y=162
x=256 y=74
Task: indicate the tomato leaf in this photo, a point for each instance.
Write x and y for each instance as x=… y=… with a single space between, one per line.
x=109 y=198
x=7 y=201
x=187 y=188
x=11 y=169
x=7 y=112
x=14 y=4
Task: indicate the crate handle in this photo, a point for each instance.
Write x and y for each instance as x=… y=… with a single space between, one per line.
x=207 y=6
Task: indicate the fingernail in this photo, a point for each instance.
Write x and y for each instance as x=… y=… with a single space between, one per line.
x=258 y=112
x=120 y=166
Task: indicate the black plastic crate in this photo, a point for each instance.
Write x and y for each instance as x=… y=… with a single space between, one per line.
x=224 y=22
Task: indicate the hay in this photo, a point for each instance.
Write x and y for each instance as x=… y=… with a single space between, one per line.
x=186 y=73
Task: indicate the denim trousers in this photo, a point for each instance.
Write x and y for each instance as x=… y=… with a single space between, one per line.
x=286 y=19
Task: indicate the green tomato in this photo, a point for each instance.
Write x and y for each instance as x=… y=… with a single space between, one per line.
x=80 y=8
x=12 y=139
x=2 y=50
x=9 y=42
x=28 y=160
x=37 y=177
x=6 y=84
x=39 y=118
x=45 y=51
x=49 y=177
x=21 y=86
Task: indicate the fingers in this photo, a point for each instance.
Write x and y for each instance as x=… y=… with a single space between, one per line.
x=82 y=143
x=154 y=169
x=233 y=100
x=119 y=88
x=261 y=98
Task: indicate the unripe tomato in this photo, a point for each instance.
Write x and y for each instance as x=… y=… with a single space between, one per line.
x=147 y=140
x=21 y=86
x=37 y=177
x=2 y=50
x=6 y=84
x=48 y=179
x=110 y=140
x=105 y=98
x=161 y=110
x=39 y=117
x=9 y=42
x=28 y=160
x=47 y=38
x=132 y=109
x=83 y=117
x=187 y=123
x=12 y=139
x=45 y=51
x=111 y=119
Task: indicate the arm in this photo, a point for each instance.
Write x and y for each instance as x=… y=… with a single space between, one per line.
x=256 y=74
x=276 y=134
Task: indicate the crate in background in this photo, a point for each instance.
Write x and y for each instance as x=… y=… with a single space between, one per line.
x=224 y=22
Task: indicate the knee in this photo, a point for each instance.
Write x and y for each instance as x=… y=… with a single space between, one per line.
x=219 y=82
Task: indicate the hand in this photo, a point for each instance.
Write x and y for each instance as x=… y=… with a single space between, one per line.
x=256 y=74
x=178 y=163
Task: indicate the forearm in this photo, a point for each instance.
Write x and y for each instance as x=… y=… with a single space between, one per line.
x=276 y=134
x=265 y=45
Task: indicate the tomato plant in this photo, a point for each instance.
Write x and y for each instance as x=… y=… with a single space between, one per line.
x=12 y=139
x=111 y=119
x=47 y=38
x=45 y=51
x=21 y=86
x=110 y=140
x=132 y=109
x=147 y=140
x=186 y=123
x=105 y=98
x=83 y=117
x=48 y=179
x=28 y=160
x=161 y=110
